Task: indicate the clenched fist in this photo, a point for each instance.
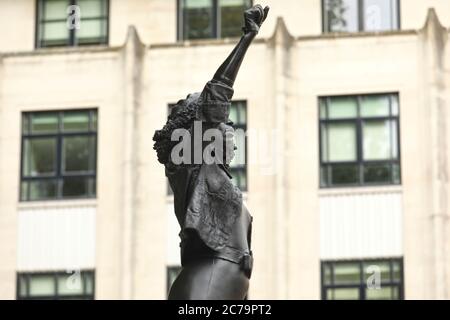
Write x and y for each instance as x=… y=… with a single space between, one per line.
x=254 y=17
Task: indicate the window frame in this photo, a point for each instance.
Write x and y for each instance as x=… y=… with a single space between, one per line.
x=71 y=41
x=362 y=286
x=54 y=274
x=361 y=18
x=358 y=121
x=216 y=21
x=59 y=135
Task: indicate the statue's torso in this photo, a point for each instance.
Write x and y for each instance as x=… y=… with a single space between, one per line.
x=211 y=214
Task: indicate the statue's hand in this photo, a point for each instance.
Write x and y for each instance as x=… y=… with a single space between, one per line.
x=254 y=17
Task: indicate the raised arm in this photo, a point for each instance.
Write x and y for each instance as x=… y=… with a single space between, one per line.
x=215 y=99
x=253 y=19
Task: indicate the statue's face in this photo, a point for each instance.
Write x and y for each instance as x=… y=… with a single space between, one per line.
x=229 y=142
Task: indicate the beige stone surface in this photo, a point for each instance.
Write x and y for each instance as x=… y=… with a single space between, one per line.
x=282 y=77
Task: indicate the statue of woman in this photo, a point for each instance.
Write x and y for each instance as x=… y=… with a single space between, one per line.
x=215 y=234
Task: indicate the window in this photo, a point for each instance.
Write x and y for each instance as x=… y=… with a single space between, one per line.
x=359 y=140
x=238 y=167
x=55 y=285
x=203 y=19
x=58 y=155
x=360 y=15
x=56 y=23
x=377 y=279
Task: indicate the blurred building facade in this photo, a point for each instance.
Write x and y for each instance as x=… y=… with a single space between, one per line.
x=345 y=103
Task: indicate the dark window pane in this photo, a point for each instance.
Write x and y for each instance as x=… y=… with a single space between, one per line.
x=22 y=290
x=55 y=9
x=23 y=190
x=383 y=293
x=380 y=269
x=327 y=275
x=339 y=142
x=231 y=12
x=379 y=140
x=239 y=140
x=343 y=294
x=76 y=121
x=242 y=113
x=42 y=285
x=238 y=113
x=323 y=109
x=78 y=187
x=25 y=124
x=94 y=121
x=380 y=15
x=347 y=273
x=325 y=176
x=92 y=32
x=375 y=106
x=93 y=24
x=344 y=174
x=234 y=117
x=42 y=189
x=198 y=20
x=341 y=15
x=342 y=107
x=339 y=174
x=44 y=122
x=55 y=33
x=377 y=173
x=89 y=283
x=92 y=8
x=239 y=178
x=39 y=157
x=78 y=154
x=394 y=105
x=70 y=284
x=396 y=271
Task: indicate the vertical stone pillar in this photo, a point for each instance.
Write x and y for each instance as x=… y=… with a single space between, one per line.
x=279 y=45
x=133 y=56
x=427 y=265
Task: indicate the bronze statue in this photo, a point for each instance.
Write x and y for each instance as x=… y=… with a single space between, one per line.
x=215 y=234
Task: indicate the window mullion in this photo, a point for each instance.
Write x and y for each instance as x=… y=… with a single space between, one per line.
x=359 y=141
x=59 y=181
x=362 y=284
x=27 y=279
x=55 y=288
x=72 y=31
x=361 y=15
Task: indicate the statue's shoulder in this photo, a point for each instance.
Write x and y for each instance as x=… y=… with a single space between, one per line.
x=216 y=178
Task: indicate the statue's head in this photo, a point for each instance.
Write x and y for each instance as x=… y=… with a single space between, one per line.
x=183 y=116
